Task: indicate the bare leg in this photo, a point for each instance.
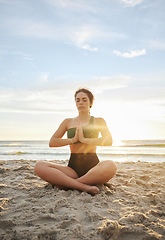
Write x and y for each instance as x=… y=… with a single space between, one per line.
x=65 y=178
x=99 y=174
x=67 y=170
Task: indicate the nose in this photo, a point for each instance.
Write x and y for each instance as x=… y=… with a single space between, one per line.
x=80 y=102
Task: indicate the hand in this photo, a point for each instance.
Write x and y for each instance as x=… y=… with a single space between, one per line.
x=80 y=132
x=79 y=136
x=76 y=137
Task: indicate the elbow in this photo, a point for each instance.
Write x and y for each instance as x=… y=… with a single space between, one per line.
x=53 y=143
x=109 y=141
x=50 y=144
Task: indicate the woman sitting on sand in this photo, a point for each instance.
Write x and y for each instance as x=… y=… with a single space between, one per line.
x=84 y=169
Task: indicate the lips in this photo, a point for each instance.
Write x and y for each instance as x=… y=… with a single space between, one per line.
x=81 y=107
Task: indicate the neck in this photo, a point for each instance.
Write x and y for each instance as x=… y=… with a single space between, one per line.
x=84 y=116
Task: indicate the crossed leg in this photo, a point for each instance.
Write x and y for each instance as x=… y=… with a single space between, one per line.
x=66 y=177
x=99 y=174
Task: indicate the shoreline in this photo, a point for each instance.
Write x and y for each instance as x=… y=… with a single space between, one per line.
x=132 y=207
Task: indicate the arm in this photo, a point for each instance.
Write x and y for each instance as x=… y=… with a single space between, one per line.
x=57 y=141
x=105 y=140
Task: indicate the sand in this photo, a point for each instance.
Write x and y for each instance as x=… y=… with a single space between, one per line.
x=132 y=207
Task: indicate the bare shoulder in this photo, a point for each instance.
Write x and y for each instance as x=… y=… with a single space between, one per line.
x=100 y=122
x=69 y=122
x=102 y=127
x=63 y=127
x=66 y=122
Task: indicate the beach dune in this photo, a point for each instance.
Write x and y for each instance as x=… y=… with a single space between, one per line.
x=131 y=207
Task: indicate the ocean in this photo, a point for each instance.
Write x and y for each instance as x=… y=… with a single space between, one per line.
x=126 y=150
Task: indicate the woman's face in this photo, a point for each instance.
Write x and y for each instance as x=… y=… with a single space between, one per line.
x=82 y=102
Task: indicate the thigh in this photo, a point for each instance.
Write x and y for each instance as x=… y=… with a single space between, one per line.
x=65 y=169
x=43 y=165
x=99 y=174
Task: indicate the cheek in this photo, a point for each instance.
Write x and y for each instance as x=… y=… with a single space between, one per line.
x=89 y=104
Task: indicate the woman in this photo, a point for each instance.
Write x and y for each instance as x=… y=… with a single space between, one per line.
x=84 y=169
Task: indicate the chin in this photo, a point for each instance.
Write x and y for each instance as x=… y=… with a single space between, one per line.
x=83 y=110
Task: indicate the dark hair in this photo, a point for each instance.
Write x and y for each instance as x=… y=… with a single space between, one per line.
x=87 y=92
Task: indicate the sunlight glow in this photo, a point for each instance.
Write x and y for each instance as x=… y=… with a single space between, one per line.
x=128 y=120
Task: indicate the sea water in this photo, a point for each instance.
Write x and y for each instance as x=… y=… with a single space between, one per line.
x=128 y=150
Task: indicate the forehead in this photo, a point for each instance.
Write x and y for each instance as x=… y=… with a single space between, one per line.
x=81 y=95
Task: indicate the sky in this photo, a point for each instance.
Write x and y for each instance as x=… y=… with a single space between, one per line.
x=50 y=48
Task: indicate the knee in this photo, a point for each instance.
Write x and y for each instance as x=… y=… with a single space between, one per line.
x=113 y=167
x=110 y=169
x=38 y=167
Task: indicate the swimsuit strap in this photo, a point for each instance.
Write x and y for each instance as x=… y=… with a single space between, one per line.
x=91 y=120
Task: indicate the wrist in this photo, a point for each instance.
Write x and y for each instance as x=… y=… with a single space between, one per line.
x=71 y=141
x=83 y=140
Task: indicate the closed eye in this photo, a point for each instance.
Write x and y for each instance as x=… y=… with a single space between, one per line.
x=84 y=99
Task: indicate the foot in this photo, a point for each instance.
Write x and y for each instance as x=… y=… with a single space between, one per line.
x=92 y=189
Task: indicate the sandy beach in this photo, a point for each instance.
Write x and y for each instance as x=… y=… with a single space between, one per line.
x=131 y=207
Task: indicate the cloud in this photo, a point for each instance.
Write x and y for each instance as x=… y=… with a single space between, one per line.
x=54 y=97
x=81 y=35
x=8 y=1
x=105 y=83
x=155 y=44
x=26 y=27
x=25 y=56
x=74 y=5
x=99 y=84
x=6 y=50
x=132 y=54
x=59 y=98
x=77 y=35
x=18 y=55
x=43 y=100
x=132 y=3
x=44 y=78
x=87 y=47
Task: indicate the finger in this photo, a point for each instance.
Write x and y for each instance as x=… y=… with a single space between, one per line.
x=78 y=123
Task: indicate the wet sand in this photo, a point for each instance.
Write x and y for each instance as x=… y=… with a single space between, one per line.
x=132 y=207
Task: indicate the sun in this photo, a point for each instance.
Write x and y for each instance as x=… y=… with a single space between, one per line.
x=123 y=120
